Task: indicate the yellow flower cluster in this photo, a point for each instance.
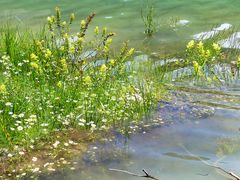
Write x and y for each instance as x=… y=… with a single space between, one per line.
x=103 y=68
x=200 y=45
x=96 y=30
x=216 y=47
x=64 y=64
x=71 y=49
x=33 y=57
x=34 y=65
x=191 y=44
x=62 y=48
x=48 y=54
x=2 y=88
x=83 y=24
x=106 y=48
x=51 y=19
x=200 y=54
x=238 y=62
x=80 y=40
x=59 y=84
x=87 y=80
x=130 y=52
x=112 y=62
x=197 y=68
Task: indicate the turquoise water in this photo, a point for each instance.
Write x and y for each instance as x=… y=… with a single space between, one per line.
x=123 y=17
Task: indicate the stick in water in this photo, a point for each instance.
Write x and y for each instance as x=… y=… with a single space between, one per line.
x=138 y=175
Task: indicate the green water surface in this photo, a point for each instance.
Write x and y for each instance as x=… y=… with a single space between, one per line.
x=124 y=17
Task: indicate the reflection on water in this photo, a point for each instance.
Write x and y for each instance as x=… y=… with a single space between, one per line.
x=177 y=149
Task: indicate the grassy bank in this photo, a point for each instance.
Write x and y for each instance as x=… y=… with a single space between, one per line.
x=56 y=81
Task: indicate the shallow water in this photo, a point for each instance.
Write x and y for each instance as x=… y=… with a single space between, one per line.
x=124 y=17
x=181 y=149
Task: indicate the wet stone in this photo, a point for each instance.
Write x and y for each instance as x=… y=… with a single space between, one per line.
x=179 y=110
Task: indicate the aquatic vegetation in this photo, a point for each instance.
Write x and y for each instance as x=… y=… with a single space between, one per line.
x=201 y=56
x=148 y=18
x=52 y=81
x=227 y=146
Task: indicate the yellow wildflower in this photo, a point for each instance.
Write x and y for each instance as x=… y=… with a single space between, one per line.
x=130 y=52
x=238 y=62
x=72 y=50
x=96 y=30
x=207 y=53
x=83 y=24
x=61 y=48
x=112 y=62
x=64 y=64
x=190 y=44
x=66 y=35
x=109 y=41
x=34 y=65
x=131 y=89
x=2 y=88
x=80 y=40
x=197 y=68
x=87 y=80
x=39 y=44
x=48 y=53
x=50 y=20
x=216 y=47
x=59 y=84
x=33 y=57
x=106 y=49
x=103 y=68
x=200 y=45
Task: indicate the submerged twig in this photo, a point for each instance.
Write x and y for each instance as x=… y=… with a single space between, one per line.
x=225 y=171
x=232 y=174
x=138 y=175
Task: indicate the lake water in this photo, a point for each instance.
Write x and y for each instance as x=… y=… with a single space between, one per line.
x=168 y=152
x=124 y=17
